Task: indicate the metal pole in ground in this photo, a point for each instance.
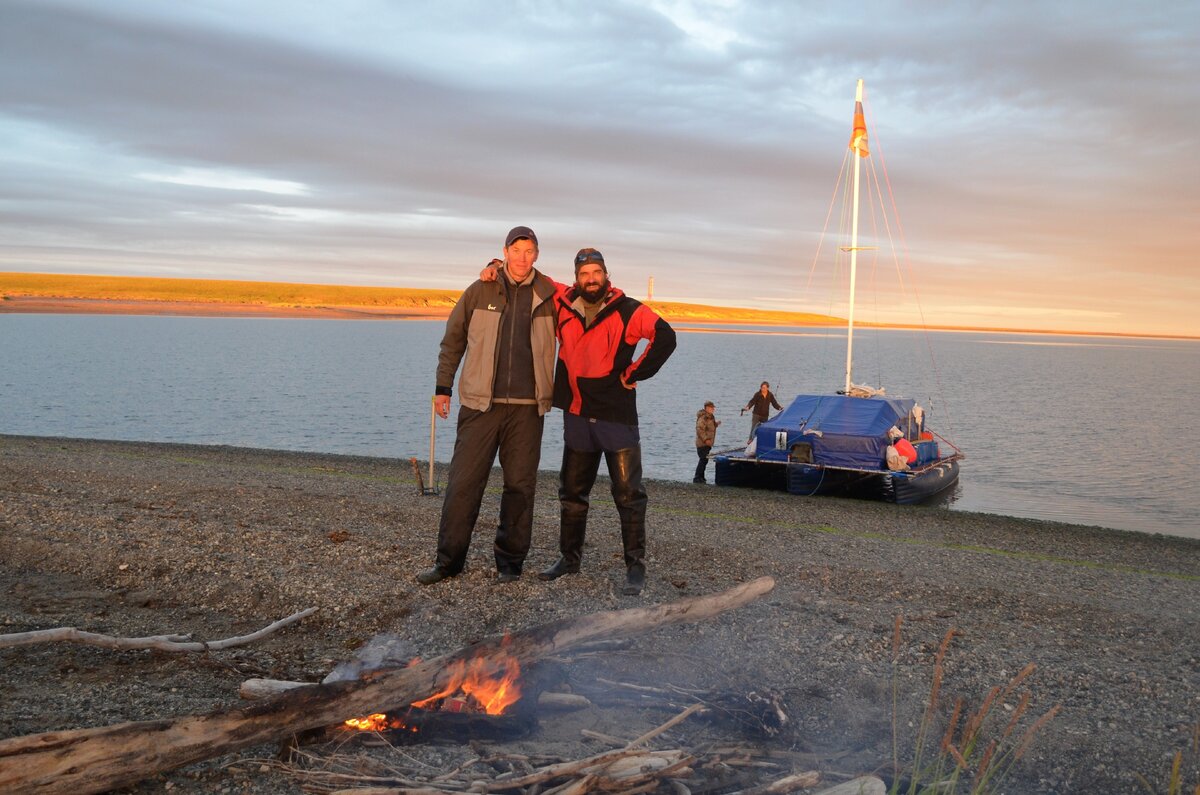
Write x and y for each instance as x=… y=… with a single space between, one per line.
x=432 y=440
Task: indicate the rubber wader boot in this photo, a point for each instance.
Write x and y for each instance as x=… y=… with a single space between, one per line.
x=576 y=478
x=625 y=469
x=635 y=580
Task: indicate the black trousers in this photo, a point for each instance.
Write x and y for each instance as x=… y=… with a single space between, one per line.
x=702 y=465
x=515 y=431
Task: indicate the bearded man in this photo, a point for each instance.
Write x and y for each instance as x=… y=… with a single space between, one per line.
x=595 y=385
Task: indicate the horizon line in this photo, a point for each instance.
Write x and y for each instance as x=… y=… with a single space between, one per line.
x=421 y=305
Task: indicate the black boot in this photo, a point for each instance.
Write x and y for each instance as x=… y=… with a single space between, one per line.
x=576 y=478
x=635 y=579
x=702 y=465
x=625 y=469
x=436 y=574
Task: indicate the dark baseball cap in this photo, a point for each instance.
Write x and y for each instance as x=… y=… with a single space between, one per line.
x=518 y=232
x=587 y=255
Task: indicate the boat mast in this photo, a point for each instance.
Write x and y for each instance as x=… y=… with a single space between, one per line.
x=858 y=142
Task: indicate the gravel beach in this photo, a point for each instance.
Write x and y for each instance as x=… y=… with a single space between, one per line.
x=135 y=539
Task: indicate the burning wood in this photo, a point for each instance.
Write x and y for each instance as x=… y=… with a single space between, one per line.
x=256 y=689
x=99 y=759
x=475 y=704
x=629 y=768
x=486 y=685
x=419 y=725
x=482 y=687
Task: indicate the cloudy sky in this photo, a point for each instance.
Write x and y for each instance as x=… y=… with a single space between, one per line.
x=1043 y=156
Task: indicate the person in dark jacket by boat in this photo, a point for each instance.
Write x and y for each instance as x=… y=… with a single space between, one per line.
x=599 y=328
x=502 y=332
x=706 y=436
x=759 y=406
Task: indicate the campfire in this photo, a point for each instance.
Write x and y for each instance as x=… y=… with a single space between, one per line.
x=477 y=688
x=100 y=759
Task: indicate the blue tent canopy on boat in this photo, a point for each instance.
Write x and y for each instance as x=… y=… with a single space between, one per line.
x=842 y=431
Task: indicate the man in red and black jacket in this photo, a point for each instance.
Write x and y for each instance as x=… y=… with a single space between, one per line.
x=599 y=328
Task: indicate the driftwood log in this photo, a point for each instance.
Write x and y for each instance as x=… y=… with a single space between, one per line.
x=99 y=759
x=255 y=689
x=173 y=643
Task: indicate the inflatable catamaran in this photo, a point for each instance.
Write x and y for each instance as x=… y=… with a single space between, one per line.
x=855 y=442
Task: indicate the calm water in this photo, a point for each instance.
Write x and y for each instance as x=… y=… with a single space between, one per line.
x=1084 y=430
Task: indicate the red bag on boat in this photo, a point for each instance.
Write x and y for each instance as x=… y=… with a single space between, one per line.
x=904 y=448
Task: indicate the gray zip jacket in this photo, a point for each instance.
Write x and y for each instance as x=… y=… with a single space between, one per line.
x=473 y=332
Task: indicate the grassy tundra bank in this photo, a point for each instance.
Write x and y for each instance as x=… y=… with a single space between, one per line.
x=136 y=539
x=44 y=292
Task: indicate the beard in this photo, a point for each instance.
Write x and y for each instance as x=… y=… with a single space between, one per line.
x=594 y=293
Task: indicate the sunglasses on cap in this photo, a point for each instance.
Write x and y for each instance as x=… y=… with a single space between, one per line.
x=584 y=257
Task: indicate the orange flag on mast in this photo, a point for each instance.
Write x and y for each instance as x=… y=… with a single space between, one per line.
x=858 y=138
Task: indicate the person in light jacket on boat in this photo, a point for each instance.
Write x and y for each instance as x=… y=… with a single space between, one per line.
x=759 y=406
x=706 y=435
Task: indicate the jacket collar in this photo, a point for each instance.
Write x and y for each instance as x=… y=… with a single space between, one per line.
x=543 y=287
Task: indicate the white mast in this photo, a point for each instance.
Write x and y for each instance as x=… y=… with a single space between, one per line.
x=859 y=145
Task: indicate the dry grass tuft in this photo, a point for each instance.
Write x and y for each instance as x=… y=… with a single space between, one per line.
x=1175 y=785
x=979 y=755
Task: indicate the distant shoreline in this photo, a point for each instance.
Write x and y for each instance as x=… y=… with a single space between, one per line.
x=28 y=304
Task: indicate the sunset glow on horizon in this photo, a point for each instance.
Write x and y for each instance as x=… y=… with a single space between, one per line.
x=1041 y=157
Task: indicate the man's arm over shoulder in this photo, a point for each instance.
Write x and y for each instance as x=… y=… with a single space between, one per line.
x=559 y=287
x=491 y=273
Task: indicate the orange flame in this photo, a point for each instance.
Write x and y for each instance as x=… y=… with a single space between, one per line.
x=493 y=690
x=378 y=722
x=492 y=686
x=372 y=723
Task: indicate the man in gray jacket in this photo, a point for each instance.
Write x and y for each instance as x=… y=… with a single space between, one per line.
x=502 y=332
